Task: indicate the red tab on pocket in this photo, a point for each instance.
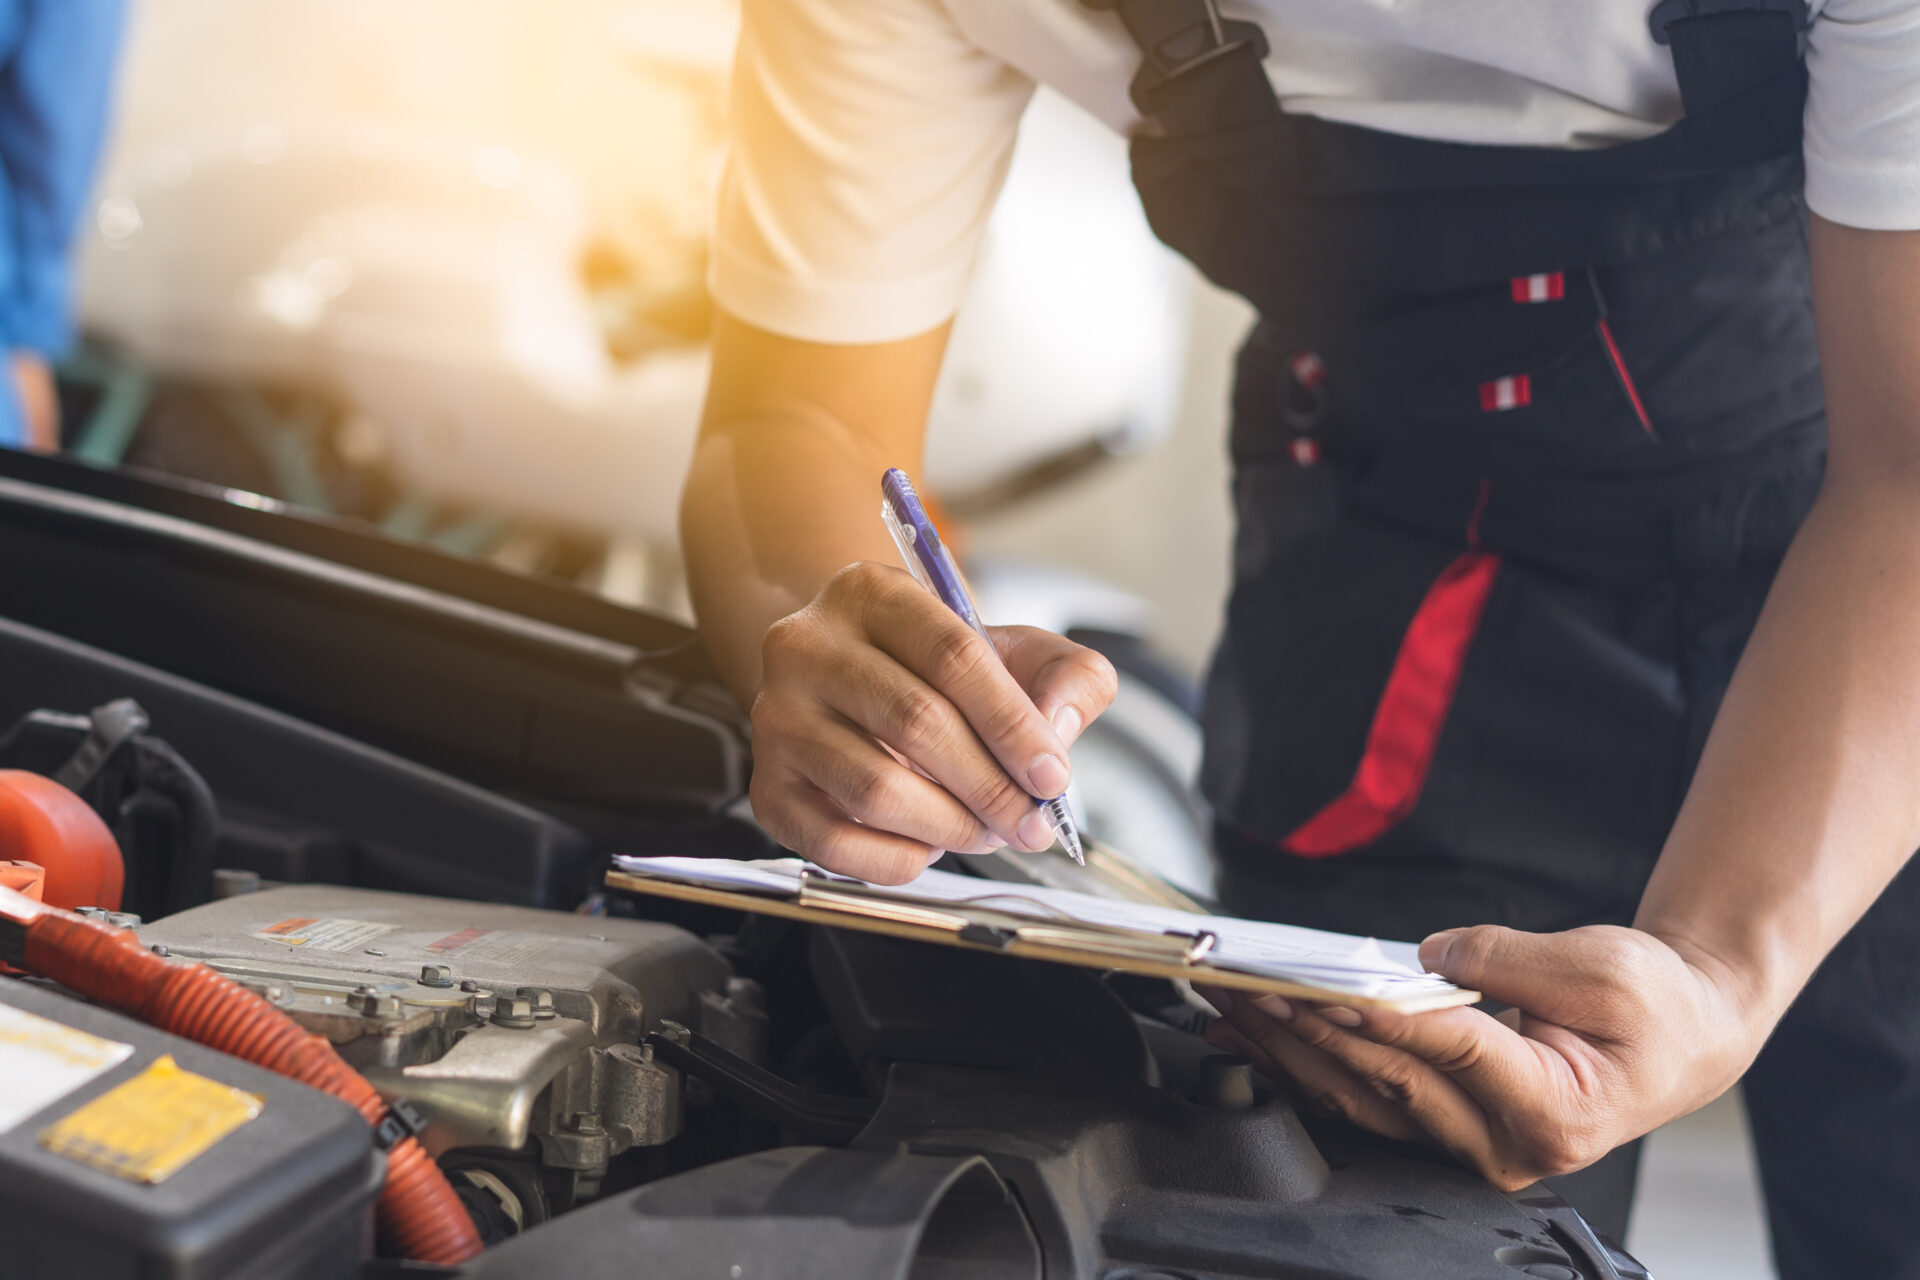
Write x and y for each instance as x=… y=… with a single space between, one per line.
x=1506 y=393
x=1547 y=286
x=1308 y=369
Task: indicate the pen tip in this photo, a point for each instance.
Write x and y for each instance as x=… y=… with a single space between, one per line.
x=1063 y=829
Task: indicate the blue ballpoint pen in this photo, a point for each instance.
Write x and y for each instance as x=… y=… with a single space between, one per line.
x=930 y=561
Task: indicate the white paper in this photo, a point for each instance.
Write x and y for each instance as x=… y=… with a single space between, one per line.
x=1339 y=962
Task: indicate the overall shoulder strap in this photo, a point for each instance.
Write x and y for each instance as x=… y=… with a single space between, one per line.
x=1726 y=50
x=1668 y=12
x=1200 y=71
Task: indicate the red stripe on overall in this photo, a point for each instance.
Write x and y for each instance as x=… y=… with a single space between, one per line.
x=1413 y=708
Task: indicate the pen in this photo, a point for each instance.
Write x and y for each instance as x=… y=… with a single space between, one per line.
x=930 y=561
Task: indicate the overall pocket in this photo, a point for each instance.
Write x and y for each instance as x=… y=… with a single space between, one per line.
x=1524 y=372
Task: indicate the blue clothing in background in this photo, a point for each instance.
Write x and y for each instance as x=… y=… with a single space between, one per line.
x=56 y=73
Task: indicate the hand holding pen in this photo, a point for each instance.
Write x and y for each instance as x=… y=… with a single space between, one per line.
x=929 y=560
x=887 y=729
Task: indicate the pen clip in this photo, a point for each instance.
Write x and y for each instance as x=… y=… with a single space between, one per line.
x=904 y=538
x=920 y=545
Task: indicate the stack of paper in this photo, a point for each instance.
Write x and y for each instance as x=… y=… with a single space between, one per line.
x=1338 y=963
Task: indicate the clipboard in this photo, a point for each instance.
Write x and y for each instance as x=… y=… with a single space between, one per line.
x=976 y=925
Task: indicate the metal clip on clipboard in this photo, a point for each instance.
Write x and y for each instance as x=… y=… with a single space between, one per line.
x=975 y=922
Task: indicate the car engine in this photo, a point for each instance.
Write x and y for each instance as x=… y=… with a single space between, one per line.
x=509 y=1030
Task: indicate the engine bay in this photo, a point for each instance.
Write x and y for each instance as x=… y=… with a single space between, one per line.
x=410 y=775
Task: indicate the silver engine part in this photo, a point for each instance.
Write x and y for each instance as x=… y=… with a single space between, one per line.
x=503 y=1026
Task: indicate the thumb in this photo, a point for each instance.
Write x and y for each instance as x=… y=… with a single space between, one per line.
x=1070 y=683
x=1535 y=971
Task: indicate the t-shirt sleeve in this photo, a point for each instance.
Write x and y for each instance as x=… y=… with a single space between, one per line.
x=1863 y=114
x=867 y=142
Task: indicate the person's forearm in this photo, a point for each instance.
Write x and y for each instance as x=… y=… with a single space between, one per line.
x=1807 y=798
x=784 y=490
x=772 y=509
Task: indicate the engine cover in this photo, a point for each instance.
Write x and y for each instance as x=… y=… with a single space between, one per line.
x=507 y=1028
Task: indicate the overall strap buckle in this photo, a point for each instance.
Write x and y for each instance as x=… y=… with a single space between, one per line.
x=1741 y=70
x=1668 y=12
x=1178 y=37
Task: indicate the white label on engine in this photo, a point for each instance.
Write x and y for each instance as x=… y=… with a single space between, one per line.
x=501 y=945
x=43 y=1061
x=323 y=935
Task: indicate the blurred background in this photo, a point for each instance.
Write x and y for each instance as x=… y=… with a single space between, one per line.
x=440 y=268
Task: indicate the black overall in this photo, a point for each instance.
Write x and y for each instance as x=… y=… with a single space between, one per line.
x=1519 y=441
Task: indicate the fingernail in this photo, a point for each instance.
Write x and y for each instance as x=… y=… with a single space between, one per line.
x=1034 y=833
x=1067 y=722
x=994 y=842
x=1274 y=1006
x=1341 y=1016
x=1047 y=776
x=1433 y=952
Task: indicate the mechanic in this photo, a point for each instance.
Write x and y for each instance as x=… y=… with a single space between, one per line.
x=56 y=70
x=1529 y=439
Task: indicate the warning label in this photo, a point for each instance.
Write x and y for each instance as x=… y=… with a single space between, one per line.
x=323 y=934
x=145 y=1129
x=502 y=945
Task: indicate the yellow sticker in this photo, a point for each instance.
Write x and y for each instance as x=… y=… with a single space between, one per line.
x=145 y=1129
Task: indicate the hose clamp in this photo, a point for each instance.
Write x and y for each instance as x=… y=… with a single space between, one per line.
x=403 y=1120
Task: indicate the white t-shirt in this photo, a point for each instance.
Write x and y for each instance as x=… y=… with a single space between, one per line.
x=870 y=137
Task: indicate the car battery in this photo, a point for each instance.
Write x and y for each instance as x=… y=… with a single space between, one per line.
x=127 y=1152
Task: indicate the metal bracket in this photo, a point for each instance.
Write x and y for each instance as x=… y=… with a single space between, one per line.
x=109 y=728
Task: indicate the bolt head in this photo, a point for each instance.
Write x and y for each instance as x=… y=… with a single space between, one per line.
x=515 y=1013
x=469 y=985
x=435 y=975
x=160 y=949
x=586 y=1122
x=540 y=998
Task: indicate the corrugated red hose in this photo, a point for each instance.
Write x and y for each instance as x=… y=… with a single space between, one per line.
x=419 y=1214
